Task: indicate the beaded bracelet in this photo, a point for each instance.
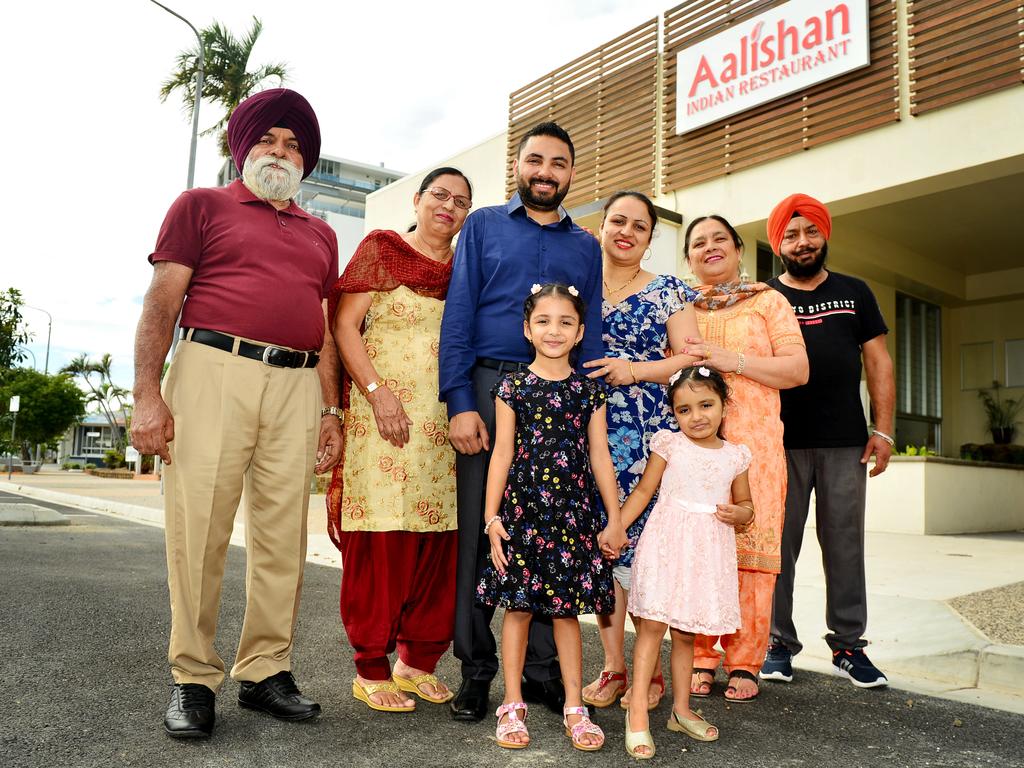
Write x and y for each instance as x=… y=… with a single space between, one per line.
x=489 y=523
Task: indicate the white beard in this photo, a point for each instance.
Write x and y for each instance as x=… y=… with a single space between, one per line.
x=271 y=183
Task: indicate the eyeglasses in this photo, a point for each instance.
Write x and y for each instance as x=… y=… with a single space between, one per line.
x=441 y=194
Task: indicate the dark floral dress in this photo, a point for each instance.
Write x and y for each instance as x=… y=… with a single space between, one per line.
x=554 y=562
x=636 y=329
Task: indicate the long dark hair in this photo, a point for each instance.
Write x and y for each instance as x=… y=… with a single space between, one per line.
x=713 y=380
x=714 y=217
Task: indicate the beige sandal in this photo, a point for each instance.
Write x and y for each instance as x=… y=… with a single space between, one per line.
x=638 y=739
x=695 y=729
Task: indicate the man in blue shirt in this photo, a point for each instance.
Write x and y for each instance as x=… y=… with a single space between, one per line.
x=502 y=251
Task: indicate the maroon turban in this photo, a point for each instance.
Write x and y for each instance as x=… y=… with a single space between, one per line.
x=797 y=205
x=277 y=107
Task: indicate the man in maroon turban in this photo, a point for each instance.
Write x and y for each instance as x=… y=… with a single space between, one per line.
x=826 y=437
x=249 y=402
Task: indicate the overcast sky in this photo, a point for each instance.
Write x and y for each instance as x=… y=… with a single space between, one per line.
x=399 y=82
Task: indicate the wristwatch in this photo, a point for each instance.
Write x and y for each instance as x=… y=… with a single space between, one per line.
x=373 y=386
x=331 y=410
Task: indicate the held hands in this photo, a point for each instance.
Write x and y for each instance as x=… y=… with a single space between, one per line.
x=496 y=533
x=468 y=433
x=152 y=427
x=392 y=421
x=612 y=541
x=734 y=515
x=332 y=439
x=876 y=445
x=719 y=358
x=615 y=370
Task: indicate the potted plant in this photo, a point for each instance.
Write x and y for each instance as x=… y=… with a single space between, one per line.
x=1001 y=413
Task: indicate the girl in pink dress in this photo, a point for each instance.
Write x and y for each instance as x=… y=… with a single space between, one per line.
x=684 y=571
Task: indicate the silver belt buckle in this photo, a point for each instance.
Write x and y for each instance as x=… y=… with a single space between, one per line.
x=266 y=353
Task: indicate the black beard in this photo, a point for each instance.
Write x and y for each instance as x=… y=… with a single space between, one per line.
x=802 y=271
x=532 y=201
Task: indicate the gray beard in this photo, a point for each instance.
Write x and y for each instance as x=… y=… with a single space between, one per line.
x=270 y=184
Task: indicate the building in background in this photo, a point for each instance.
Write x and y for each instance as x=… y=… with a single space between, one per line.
x=904 y=116
x=336 y=192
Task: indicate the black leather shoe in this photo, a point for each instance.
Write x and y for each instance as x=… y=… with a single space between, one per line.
x=470 y=703
x=278 y=696
x=550 y=693
x=190 y=712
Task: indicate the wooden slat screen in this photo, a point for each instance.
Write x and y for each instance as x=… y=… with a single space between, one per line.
x=960 y=49
x=607 y=101
x=831 y=110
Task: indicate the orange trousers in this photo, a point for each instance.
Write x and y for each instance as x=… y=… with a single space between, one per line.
x=745 y=648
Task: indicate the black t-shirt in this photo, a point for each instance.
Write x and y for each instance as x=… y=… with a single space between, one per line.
x=836 y=319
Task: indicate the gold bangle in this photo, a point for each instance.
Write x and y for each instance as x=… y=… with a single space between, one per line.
x=753 y=514
x=632 y=373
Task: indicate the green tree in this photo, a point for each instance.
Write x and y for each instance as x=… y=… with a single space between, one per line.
x=103 y=392
x=226 y=79
x=13 y=334
x=50 y=405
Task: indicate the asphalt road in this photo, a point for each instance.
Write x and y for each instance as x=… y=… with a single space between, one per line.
x=83 y=624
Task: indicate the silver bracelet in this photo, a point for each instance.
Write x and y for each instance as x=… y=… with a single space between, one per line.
x=489 y=523
x=888 y=438
x=741 y=363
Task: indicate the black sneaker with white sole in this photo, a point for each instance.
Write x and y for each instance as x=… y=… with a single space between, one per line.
x=778 y=664
x=854 y=664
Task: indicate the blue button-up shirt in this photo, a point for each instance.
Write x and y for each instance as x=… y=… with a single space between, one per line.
x=501 y=253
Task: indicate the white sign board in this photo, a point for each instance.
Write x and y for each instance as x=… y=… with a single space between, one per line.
x=780 y=51
x=15 y=404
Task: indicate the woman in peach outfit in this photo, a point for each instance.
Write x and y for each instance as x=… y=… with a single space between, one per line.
x=750 y=334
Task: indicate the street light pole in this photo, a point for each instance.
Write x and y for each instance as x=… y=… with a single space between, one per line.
x=199 y=95
x=49 y=331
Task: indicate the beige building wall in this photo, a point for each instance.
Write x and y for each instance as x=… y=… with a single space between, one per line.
x=483 y=164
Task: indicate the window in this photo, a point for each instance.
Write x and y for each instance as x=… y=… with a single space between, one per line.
x=768 y=264
x=918 y=373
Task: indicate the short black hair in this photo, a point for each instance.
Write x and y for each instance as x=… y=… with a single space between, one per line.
x=714 y=217
x=445 y=170
x=552 y=129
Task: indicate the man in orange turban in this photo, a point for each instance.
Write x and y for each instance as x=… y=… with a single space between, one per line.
x=826 y=437
x=241 y=405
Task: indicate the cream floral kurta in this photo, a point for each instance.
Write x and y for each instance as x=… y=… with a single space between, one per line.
x=410 y=488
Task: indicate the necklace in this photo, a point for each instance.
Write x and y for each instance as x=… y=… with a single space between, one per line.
x=421 y=246
x=616 y=290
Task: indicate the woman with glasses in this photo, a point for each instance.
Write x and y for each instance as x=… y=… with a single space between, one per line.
x=391 y=502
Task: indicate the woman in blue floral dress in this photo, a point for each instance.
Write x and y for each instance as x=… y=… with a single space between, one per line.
x=646 y=317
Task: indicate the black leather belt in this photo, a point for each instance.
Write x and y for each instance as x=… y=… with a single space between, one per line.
x=501 y=365
x=275 y=357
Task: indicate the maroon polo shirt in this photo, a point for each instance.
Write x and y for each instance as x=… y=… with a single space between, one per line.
x=256 y=272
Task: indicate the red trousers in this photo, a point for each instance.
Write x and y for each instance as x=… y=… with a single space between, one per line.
x=398 y=591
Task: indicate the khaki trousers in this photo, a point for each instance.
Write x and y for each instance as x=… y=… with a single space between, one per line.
x=237 y=424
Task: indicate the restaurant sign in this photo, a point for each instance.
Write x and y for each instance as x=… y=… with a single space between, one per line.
x=780 y=51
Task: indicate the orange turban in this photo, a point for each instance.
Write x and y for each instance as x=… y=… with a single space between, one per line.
x=797 y=205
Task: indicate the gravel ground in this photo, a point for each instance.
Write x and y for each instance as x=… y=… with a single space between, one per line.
x=998 y=613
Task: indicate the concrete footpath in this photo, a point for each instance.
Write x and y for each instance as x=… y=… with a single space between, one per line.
x=84 y=629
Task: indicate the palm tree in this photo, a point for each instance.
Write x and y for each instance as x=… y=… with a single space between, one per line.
x=226 y=80
x=110 y=398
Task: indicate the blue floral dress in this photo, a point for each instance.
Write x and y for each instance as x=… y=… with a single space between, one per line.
x=549 y=508
x=636 y=329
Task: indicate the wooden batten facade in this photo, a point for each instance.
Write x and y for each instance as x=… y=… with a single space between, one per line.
x=960 y=50
x=607 y=100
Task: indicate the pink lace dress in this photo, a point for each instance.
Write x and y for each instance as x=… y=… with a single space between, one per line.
x=684 y=571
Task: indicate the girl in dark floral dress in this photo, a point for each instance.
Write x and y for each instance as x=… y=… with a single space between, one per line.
x=547 y=547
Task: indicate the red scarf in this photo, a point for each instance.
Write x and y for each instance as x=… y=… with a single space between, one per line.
x=382 y=262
